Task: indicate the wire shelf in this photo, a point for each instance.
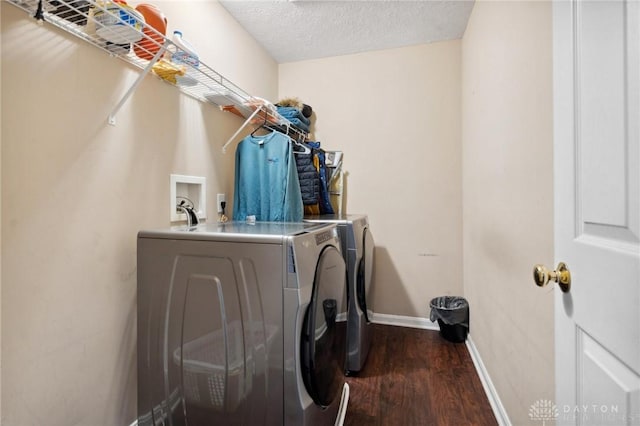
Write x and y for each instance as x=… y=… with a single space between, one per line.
x=121 y=32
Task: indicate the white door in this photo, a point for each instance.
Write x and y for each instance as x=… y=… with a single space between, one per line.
x=597 y=214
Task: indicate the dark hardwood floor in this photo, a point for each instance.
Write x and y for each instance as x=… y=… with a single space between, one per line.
x=415 y=377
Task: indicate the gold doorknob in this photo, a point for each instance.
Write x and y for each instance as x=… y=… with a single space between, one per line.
x=542 y=275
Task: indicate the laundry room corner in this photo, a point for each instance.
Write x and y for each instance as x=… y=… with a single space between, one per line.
x=395 y=115
x=109 y=306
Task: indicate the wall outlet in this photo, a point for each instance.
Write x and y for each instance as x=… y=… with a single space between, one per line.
x=221 y=198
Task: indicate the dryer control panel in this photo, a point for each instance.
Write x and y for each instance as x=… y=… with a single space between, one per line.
x=323 y=237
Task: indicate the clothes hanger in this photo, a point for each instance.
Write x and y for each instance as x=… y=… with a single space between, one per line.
x=262 y=125
x=306 y=149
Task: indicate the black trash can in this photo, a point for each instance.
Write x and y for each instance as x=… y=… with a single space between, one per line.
x=452 y=313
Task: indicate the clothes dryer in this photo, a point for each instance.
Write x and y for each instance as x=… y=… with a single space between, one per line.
x=241 y=324
x=357 y=248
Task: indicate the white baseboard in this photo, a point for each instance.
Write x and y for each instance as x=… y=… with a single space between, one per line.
x=135 y=423
x=425 y=323
x=494 y=399
x=402 y=321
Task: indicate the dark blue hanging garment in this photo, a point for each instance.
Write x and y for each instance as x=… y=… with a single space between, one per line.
x=325 y=198
x=308 y=175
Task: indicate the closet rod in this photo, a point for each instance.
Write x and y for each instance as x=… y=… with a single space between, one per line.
x=289 y=128
x=267 y=125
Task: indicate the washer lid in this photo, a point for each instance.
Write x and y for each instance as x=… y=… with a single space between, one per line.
x=258 y=232
x=335 y=218
x=324 y=330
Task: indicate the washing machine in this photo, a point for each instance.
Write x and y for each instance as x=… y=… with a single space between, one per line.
x=241 y=324
x=357 y=248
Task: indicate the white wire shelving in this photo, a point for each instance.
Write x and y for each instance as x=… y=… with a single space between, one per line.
x=85 y=18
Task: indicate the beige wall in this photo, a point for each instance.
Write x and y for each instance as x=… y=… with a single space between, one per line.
x=426 y=130
x=396 y=115
x=74 y=193
x=508 y=196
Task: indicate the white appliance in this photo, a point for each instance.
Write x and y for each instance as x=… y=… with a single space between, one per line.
x=241 y=324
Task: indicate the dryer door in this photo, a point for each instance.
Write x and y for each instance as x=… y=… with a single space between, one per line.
x=365 y=270
x=324 y=329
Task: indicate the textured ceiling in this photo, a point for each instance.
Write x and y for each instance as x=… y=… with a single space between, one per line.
x=304 y=29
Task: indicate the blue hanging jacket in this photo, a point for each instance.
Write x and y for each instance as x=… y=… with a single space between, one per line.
x=325 y=198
